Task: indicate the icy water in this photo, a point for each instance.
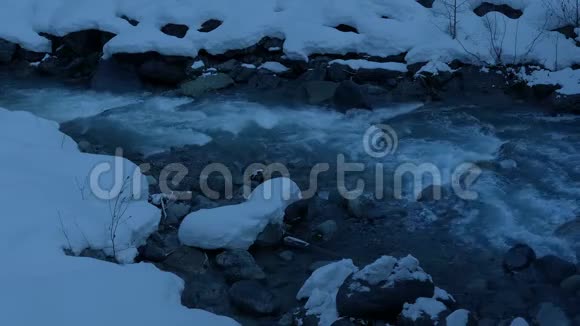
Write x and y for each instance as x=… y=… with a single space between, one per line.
x=530 y=161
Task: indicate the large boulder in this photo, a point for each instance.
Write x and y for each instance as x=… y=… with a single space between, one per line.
x=554 y=269
x=487 y=7
x=239 y=265
x=380 y=290
x=7 y=51
x=350 y=95
x=205 y=84
x=159 y=71
x=253 y=298
x=519 y=257
x=319 y=92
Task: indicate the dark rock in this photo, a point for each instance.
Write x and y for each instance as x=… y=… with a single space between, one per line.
x=379 y=294
x=554 y=269
x=176 y=212
x=317 y=264
x=205 y=84
x=350 y=95
x=83 y=43
x=159 y=71
x=264 y=80
x=544 y=91
x=326 y=230
x=177 y=30
x=314 y=74
x=242 y=74
x=131 y=21
x=7 y=51
x=210 y=25
x=568 y=31
x=30 y=56
x=206 y=292
x=370 y=208
x=228 y=66
x=286 y=255
x=338 y=73
x=319 y=92
x=487 y=7
x=252 y=297
x=565 y=103
x=271 y=236
x=376 y=76
x=426 y=3
x=571 y=285
x=346 y=28
x=518 y=257
x=186 y=262
x=239 y=265
x=409 y=90
x=271 y=42
x=431 y=193
x=296 y=211
x=96 y=254
x=549 y=315
x=111 y=76
x=380 y=303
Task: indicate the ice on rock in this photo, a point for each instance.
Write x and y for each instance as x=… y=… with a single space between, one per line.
x=238 y=226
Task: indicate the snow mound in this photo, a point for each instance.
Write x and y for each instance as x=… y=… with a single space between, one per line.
x=322 y=287
x=274 y=67
x=519 y=322
x=238 y=226
x=48 y=207
x=459 y=317
x=390 y=270
x=567 y=79
x=365 y=64
x=423 y=307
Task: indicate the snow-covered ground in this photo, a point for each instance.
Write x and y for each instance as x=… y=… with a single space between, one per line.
x=308 y=27
x=48 y=207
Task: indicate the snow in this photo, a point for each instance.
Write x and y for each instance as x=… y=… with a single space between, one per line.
x=322 y=287
x=274 y=67
x=357 y=64
x=48 y=206
x=423 y=306
x=568 y=79
x=248 y=65
x=420 y=32
x=519 y=322
x=238 y=226
x=459 y=317
x=434 y=68
x=390 y=270
x=197 y=65
x=442 y=295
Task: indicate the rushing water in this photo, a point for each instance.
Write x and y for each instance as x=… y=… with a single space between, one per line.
x=530 y=161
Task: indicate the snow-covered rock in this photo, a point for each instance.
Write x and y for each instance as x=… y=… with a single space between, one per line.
x=238 y=226
x=274 y=67
x=379 y=290
x=567 y=79
x=365 y=64
x=321 y=289
x=427 y=309
x=42 y=285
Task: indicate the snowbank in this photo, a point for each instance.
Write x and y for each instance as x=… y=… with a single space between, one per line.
x=567 y=79
x=238 y=226
x=365 y=64
x=48 y=207
x=383 y=28
x=322 y=287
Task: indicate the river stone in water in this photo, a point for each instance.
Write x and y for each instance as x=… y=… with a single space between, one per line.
x=550 y=315
x=206 y=84
x=518 y=257
x=554 y=269
x=239 y=265
x=252 y=297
